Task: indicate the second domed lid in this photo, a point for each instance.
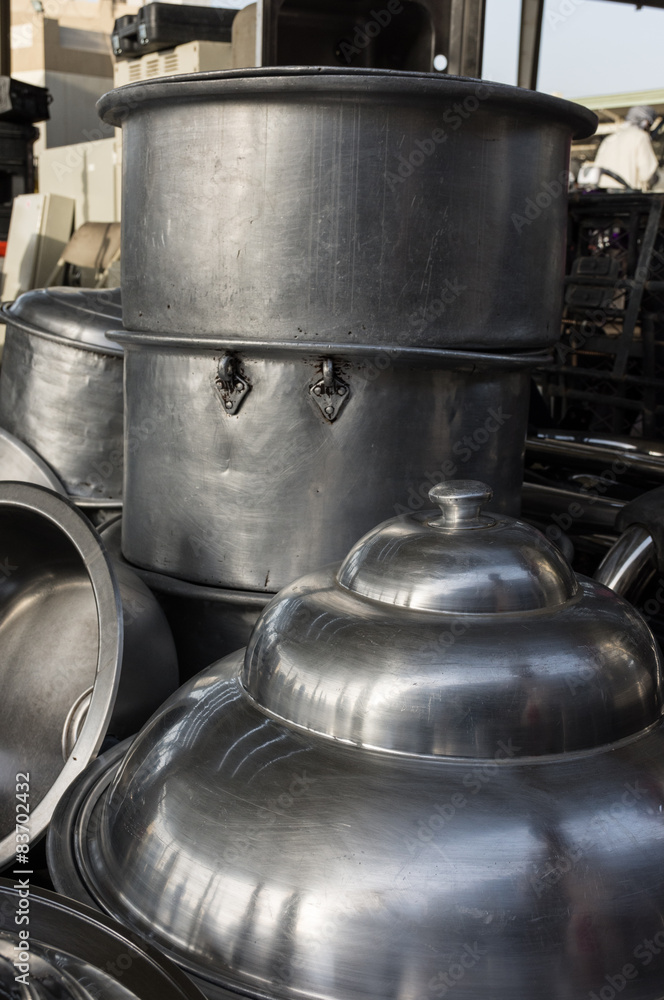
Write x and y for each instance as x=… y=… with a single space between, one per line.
x=458 y=559
x=448 y=633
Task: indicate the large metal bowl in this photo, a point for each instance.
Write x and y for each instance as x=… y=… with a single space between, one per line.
x=85 y=650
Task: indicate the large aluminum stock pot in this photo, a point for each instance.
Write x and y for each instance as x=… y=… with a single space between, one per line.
x=61 y=385
x=352 y=206
x=256 y=454
x=436 y=768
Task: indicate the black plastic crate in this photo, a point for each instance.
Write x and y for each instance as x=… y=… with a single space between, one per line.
x=23 y=103
x=160 y=26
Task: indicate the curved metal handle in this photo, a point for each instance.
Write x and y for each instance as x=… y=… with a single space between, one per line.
x=630 y=563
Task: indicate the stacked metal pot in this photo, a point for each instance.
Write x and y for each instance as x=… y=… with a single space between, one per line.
x=324 y=288
x=61 y=392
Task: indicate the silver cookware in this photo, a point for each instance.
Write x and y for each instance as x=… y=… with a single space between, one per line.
x=257 y=452
x=19 y=463
x=437 y=767
x=345 y=206
x=52 y=948
x=84 y=651
x=207 y=622
x=61 y=385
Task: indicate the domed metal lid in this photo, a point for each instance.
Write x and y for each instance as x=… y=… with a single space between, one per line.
x=446 y=631
x=263 y=828
x=438 y=562
x=82 y=315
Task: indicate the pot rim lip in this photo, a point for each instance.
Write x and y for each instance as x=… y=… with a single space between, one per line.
x=10 y=319
x=54 y=482
x=174 y=586
x=65 y=863
x=55 y=905
x=446 y=357
x=117 y=105
x=91 y=551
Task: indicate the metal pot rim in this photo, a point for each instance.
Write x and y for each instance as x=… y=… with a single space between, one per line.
x=57 y=338
x=70 y=821
x=117 y=105
x=83 y=537
x=443 y=358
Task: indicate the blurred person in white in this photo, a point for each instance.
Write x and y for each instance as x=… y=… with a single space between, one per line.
x=629 y=152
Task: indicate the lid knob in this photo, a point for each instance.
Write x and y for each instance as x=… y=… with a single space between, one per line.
x=461 y=502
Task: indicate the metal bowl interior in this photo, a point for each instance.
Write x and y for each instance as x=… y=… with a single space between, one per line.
x=61 y=636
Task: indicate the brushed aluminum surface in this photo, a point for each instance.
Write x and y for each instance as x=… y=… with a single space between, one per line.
x=353 y=206
x=19 y=463
x=377 y=800
x=74 y=953
x=254 y=499
x=207 y=622
x=62 y=396
x=86 y=650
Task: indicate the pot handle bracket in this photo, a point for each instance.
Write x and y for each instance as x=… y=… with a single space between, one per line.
x=231 y=386
x=330 y=393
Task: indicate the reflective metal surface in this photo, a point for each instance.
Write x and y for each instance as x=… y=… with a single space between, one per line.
x=590 y=454
x=589 y=508
x=83 y=316
x=85 y=651
x=344 y=205
x=253 y=498
x=18 y=463
x=630 y=564
x=405 y=563
x=617 y=442
x=378 y=801
x=207 y=622
x=73 y=953
x=61 y=385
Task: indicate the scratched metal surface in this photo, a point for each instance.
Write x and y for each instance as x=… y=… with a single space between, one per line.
x=353 y=207
x=255 y=499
